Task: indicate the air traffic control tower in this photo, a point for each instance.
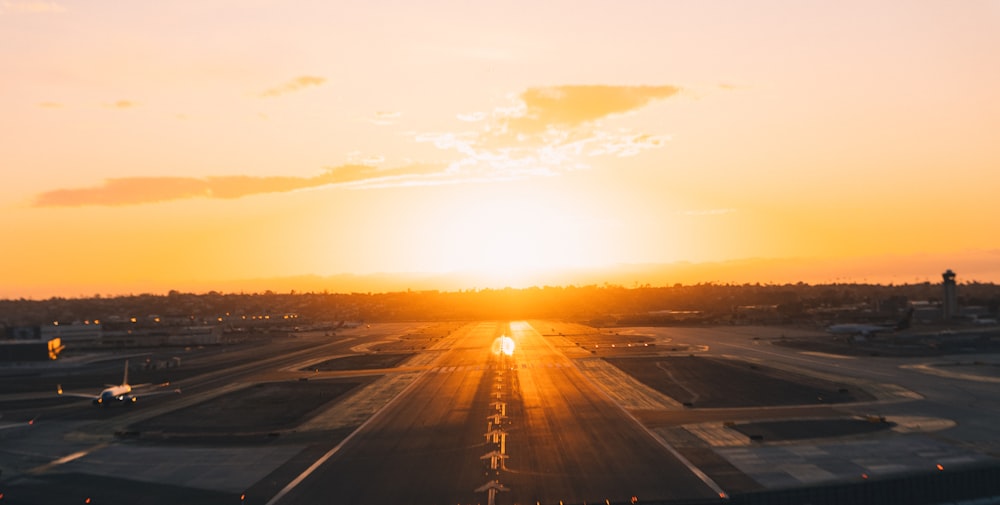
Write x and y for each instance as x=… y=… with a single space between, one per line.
x=950 y=304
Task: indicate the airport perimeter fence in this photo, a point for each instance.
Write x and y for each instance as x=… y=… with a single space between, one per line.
x=967 y=485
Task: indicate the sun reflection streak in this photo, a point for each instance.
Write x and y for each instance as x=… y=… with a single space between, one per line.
x=503 y=344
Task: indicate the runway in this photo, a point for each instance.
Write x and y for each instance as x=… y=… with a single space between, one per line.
x=560 y=439
x=431 y=413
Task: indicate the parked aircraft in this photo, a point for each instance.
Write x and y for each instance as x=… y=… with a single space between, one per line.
x=123 y=393
x=871 y=329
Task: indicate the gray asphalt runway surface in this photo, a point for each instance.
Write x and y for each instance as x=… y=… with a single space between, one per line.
x=562 y=440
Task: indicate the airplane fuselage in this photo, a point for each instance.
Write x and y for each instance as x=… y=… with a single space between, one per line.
x=121 y=394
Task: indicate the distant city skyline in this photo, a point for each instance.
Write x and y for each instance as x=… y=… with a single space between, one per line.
x=209 y=145
x=881 y=271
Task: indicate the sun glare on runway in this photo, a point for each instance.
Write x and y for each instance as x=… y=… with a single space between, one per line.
x=503 y=344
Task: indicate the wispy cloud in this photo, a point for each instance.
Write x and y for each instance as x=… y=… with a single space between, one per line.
x=543 y=132
x=140 y=190
x=32 y=6
x=357 y=158
x=546 y=131
x=733 y=87
x=575 y=105
x=50 y=105
x=473 y=117
x=122 y=104
x=624 y=143
x=294 y=85
x=384 y=118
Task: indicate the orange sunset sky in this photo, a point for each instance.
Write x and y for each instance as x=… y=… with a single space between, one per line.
x=190 y=145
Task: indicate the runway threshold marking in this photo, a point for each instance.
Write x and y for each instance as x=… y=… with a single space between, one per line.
x=826 y=355
x=65 y=459
x=312 y=468
x=929 y=368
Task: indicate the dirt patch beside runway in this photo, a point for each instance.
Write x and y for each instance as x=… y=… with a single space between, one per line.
x=849 y=347
x=260 y=408
x=87 y=488
x=977 y=368
x=704 y=382
x=360 y=362
x=801 y=429
x=902 y=345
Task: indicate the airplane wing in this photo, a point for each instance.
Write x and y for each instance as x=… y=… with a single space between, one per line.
x=60 y=392
x=150 y=389
x=18 y=425
x=176 y=391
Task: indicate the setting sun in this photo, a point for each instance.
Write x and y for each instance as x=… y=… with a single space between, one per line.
x=513 y=235
x=475 y=149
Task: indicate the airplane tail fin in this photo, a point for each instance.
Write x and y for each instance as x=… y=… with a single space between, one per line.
x=904 y=323
x=125 y=378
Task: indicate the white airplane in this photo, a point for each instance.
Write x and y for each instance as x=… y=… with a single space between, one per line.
x=123 y=393
x=867 y=330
